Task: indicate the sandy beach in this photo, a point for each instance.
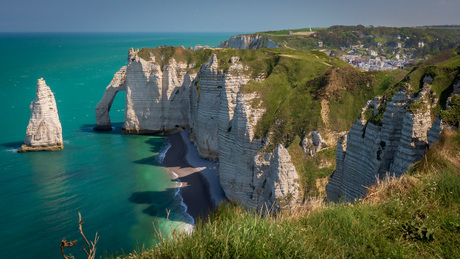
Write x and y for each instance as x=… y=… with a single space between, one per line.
x=201 y=188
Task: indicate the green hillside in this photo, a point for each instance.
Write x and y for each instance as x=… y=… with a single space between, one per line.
x=435 y=39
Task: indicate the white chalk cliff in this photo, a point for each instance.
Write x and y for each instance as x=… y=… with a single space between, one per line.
x=170 y=98
x=250 y=175
x=44 y=131
x=370 y=151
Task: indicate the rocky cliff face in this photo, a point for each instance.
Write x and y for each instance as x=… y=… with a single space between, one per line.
x=249 y=175
x=205 y=104
x=370 y=151
x=44 y=132
x=221 y=122
x=248 y=41
x=157 y=98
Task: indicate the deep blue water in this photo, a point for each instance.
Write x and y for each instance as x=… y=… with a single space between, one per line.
x=115 y=181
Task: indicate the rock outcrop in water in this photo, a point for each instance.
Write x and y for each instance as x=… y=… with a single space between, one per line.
x=44 y=132
x=167 y=96
x=371 y=150
x=248 y=41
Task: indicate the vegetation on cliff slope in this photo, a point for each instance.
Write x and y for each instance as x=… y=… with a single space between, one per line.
x=416 y=216
x=308 y=91
x=442 y=72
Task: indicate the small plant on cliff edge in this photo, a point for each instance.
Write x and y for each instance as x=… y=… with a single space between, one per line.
x=91 y=252
x=452 y=116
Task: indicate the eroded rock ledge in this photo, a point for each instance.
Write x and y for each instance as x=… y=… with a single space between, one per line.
x=44 y=131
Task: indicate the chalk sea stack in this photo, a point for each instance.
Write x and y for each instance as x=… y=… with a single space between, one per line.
x=44 y=132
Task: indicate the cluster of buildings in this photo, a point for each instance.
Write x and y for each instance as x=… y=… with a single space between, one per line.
x=375 y=64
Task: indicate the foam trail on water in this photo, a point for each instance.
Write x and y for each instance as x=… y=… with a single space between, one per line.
x=162 y=154
x=190 y=220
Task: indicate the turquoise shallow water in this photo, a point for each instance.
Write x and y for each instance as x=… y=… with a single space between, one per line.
x=115 y=181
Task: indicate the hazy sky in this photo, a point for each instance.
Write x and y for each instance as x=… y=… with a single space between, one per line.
x=216 y=15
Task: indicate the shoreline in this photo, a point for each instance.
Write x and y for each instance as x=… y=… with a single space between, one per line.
x=199 y=189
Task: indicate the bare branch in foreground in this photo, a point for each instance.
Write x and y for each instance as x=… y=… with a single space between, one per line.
x=91 y=251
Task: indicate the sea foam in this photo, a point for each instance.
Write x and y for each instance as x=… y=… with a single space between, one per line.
x=189 y=221
x=162 y=153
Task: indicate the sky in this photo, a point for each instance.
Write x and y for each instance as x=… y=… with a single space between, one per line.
x=216 y=15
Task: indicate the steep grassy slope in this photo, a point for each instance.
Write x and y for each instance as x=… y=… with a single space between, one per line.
x=415 y=216
x=308 y=91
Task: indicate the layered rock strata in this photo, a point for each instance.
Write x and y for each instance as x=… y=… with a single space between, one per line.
x=248 y=41
x=222 y=124
x=370 y=151
x=205 y=104
x=157 y=97
x=249 y=175
x=44 y=131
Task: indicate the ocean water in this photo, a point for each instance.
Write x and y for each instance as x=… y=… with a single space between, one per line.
x=115 y=181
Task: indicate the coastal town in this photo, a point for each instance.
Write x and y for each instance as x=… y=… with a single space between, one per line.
x=376 y=63
x=369 y=48
x=378 y=57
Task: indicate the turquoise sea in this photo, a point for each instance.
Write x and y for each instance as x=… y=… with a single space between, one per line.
x=114 y=181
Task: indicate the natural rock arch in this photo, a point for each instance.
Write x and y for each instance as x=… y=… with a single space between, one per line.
x=103 y=107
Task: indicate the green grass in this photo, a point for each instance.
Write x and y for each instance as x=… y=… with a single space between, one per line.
x=452 y=116
x=416 y=216
x=163 y=55
x=311 y=169
x=293 y=92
